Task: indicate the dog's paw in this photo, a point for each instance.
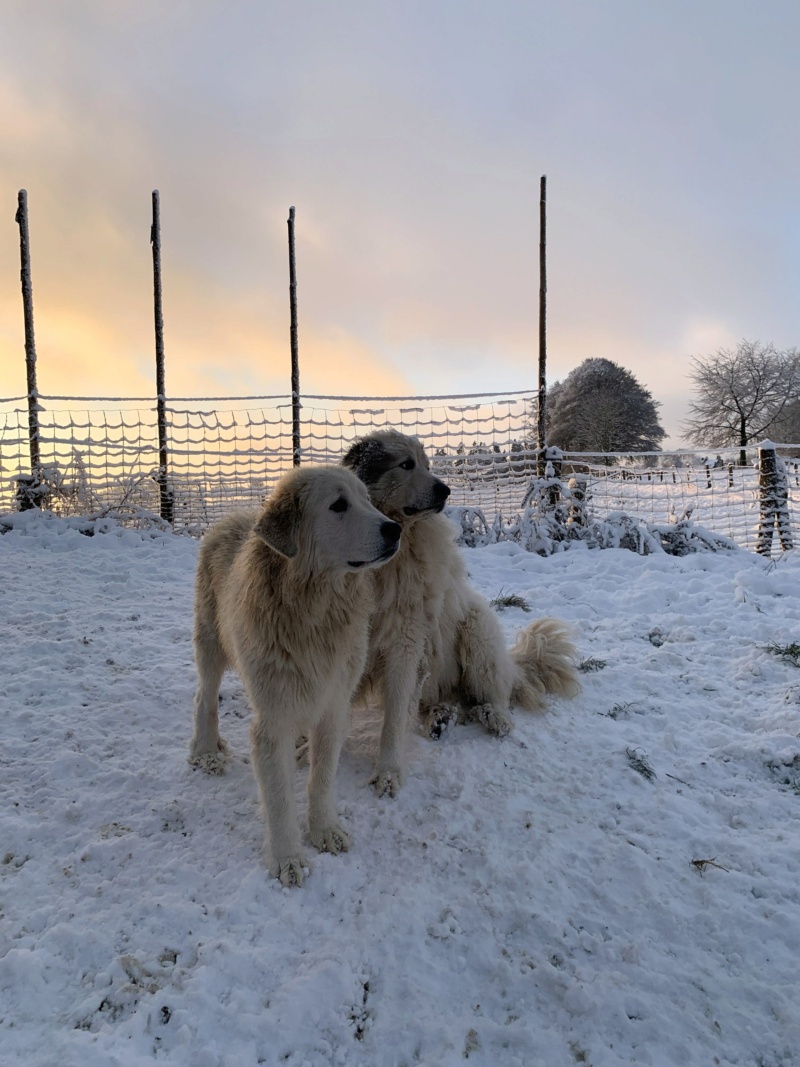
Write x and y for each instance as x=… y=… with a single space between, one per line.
x=436 y=721
x=301 y=751
x=289 y=869
x=494 y=720
x=211 y=761
x=387 y=783
x=331 y=839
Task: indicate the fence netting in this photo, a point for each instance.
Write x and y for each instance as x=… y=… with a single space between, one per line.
x=225 y=453
x=714 y=490
x=101 y=456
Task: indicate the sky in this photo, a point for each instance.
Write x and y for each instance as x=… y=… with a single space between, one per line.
x=410 y=137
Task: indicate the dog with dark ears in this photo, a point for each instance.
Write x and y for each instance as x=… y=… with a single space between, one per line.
x=436 y=648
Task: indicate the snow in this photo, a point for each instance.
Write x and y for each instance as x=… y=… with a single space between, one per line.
x=533 y=901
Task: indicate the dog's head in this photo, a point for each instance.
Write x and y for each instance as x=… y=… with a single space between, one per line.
x=322 y=516
x=397 y=474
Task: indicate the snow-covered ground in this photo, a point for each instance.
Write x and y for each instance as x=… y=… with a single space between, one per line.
x=537 y=901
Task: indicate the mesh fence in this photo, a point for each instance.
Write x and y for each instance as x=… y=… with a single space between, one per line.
x=716 y=491
x=102 y=455
x=97 y=457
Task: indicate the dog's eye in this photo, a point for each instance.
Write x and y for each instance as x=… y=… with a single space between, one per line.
x=340 y=504
x=407 y=465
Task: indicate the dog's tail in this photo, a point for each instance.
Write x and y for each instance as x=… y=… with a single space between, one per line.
x=545 y=658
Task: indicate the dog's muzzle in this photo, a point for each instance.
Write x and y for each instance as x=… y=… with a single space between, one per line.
x=439 y=495
x=390 y=533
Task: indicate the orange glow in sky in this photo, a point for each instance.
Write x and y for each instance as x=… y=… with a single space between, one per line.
x=411 y=139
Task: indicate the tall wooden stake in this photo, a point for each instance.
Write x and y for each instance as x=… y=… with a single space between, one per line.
x=166 y=497
x=541 y=427
x=295 y=357
x=30 y=342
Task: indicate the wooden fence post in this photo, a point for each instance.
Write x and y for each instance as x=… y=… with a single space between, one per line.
x=773 y=501
x=293 y=338
x=167 y=500
x=578 y=486
x=541 y=426
x=28 y=492
x=553 y=457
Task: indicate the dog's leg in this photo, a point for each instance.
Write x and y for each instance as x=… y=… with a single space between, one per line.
x=487 y=671
x=325 y=746
x=273 y=763
x=208 y=749
x=401 y=687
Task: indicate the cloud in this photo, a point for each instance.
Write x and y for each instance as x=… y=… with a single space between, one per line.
x=411 y=141
x=703 y=337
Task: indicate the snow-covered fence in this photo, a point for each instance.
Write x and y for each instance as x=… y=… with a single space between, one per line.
x=229 y=452
x=103 y=455
x=743 y=503
x=605 y=499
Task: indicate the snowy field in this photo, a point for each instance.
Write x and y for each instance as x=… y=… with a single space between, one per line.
x=616 y=883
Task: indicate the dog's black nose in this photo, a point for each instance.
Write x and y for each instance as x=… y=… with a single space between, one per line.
x=441 y=492
x=391 y=532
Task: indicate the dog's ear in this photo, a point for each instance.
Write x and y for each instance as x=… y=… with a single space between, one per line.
x=368 y=458
x=353 y=456
x=279 y=523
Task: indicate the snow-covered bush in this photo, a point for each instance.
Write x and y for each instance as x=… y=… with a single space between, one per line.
x=548 y=532
x=556 y=516
x=66 y=490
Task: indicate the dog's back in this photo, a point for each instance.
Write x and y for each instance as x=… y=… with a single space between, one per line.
x=218 y=552
x=224 y=540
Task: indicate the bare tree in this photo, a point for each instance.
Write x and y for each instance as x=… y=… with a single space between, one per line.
x=601 y=407
x=786 y=428
x=741 y=394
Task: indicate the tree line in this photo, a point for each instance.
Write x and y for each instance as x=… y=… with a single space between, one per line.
x=741 y=396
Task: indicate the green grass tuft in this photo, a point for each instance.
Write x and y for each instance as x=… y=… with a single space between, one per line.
x=586 y=666
x=509 y=600
x=620 y=711
x=638 y=760
x=790 y=653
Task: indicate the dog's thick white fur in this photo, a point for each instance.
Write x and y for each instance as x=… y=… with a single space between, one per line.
x=285 y=598
x=436 y=647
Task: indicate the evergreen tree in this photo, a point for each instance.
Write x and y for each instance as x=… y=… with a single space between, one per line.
x=601 y=407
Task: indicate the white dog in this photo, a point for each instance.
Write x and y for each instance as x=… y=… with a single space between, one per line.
x=283 y=598
x=436 y=647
